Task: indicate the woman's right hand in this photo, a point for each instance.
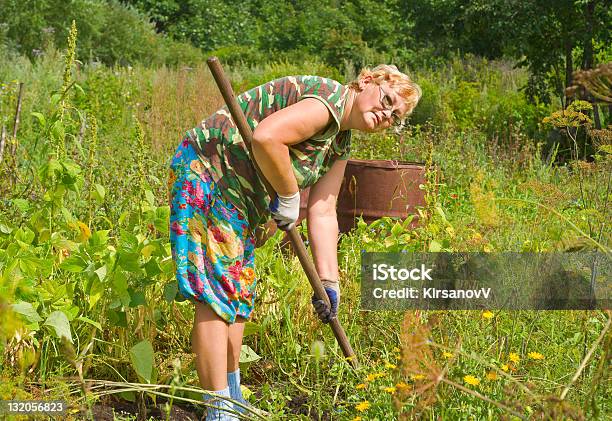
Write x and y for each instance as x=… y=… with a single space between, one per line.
x=285 y=210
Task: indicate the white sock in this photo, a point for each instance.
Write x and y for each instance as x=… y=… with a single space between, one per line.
x=219 y=406
x=233 y=380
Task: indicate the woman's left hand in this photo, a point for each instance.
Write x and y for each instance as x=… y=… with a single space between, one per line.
x=326 y=314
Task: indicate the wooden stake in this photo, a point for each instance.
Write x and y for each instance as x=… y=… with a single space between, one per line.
x=16 y=124
x=2 y=142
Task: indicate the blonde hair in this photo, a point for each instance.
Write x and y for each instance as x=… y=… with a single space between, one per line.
x=400 y=82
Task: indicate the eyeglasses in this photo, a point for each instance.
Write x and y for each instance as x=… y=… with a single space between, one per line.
x=387 y=104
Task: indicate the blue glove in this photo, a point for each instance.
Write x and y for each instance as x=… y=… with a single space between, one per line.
x=332 y=288
x=285 y=210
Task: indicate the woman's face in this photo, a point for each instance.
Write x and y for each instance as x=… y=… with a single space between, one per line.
x=369 y=111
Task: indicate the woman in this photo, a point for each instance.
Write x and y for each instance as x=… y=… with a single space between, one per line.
x=301 y=138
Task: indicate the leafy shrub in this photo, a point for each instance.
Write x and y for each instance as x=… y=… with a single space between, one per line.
x=109 y=31
x=430 y=104
x=472 y=93
x=239 y=55
x=254 y=76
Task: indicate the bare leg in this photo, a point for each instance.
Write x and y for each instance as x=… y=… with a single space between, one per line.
x=234 y=344
x=209 y=341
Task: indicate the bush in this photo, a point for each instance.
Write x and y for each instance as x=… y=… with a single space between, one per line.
x=108 y=32
x=472 y=93
x=431 y=108
x=239 y=55
x=247 y=78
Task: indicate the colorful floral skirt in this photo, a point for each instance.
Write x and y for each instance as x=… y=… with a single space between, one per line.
x=212 y=245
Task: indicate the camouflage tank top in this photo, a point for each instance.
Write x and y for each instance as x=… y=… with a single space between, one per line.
x=226 y=157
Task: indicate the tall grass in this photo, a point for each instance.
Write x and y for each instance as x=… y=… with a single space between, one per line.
x=175 y=101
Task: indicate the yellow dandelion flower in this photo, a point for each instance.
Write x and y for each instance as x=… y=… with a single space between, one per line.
x=504 y=367
x=535 y=356
x=396 y=349
x=447 y=354
x=373 y=376
x=402 y=385
x=471 y=380
x=417 y=376
x=362 y=406
x=514 y=357
x=390 y=389
x=487 y=315
x=389 y=365
x=356 y=419
x=360 y=386
x=492 y=375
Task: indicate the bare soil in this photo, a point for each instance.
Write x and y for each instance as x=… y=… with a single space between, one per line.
x=108 y=411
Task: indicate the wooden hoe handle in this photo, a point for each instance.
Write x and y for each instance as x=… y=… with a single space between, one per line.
x=296 y=241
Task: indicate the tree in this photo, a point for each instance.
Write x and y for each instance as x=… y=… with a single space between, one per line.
x=542 y=35
x=548 y=34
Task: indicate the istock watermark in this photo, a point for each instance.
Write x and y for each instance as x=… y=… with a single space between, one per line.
x=383 y=272
x=507 y=280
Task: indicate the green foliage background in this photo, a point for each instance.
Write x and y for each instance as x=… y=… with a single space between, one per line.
x=550 y=38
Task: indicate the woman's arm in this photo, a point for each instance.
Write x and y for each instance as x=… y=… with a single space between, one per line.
x=323 y=222
x=273 y=135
